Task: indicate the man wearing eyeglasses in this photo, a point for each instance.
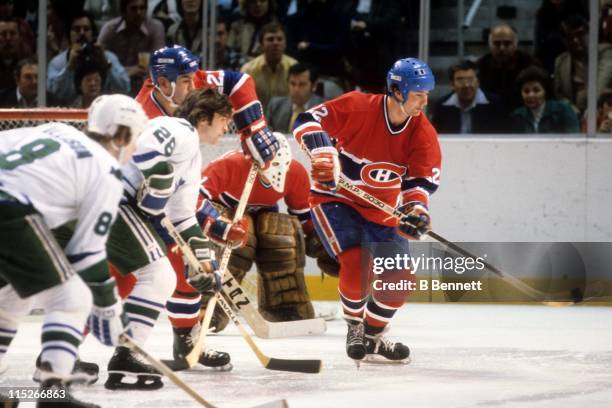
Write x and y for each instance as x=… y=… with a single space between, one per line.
x=468 y=109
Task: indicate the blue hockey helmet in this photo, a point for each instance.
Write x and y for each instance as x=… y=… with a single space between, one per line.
x=410 y=74
x=172 y=62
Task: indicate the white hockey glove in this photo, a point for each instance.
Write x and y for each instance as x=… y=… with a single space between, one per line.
x=155 y=191
x=106 y=320
x=416 y=221
x=206 y=278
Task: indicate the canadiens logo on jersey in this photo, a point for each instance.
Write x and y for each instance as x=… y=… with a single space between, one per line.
x=382 y=175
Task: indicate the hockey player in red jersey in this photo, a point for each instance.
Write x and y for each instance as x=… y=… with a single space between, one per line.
x=278 y=242
x=385 y=145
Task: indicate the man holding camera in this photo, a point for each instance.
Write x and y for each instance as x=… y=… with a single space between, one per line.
x=83 y=50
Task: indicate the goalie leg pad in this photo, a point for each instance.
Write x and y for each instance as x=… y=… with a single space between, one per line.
x=282 y=293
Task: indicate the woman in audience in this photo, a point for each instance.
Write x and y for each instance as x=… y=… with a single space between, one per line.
x=540 y=113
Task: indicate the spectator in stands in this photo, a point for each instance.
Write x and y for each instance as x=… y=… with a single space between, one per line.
x=548 y=37
x=246 y=31
x=188 y=31
x=7 y=10
x=283 y=110
x=370 y=27
x=319 y=34
x=270 y=70
x=603 y=122
x=499 y=68
x=166 y=11
x=133 y=38
x=24 y=93
x=88 y=79
x=468 y=109
x=226 y=57
x=540 y=113
x=57 y=37
x=11 y=51
x=571 y=67
x=101 y=10
x=61 y=70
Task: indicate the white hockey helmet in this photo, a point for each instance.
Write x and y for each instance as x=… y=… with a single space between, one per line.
x=108 y=112
x=276 y=172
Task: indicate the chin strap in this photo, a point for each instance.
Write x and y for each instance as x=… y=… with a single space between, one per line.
x=169 y=99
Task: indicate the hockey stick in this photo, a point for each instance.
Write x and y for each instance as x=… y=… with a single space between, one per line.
x=162 y=368
x=128 y=342
x=306 y=366
x=575 y=294
x=300 y=366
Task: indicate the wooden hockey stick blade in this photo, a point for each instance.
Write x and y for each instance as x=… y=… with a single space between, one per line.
x=296 y=366
x=274 y=404
x=127 y=341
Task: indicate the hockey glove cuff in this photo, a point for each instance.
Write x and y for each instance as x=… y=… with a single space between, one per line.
x=107 y=320
x=416 y=221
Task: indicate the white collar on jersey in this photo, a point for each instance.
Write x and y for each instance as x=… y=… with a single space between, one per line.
x=388 y=122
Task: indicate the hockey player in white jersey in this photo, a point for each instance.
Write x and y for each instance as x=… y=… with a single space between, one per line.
x=59 y=195
x=162 y=179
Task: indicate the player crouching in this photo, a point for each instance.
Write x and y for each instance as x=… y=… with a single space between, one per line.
x=55 y=229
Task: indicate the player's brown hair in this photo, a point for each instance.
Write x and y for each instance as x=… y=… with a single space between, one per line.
x=202 y=104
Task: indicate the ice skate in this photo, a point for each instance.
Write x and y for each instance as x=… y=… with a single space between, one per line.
x=355 y=345
x=83 y=372
x=184 y=339
x=381 y=350
x=126 y=363
x=54 y=385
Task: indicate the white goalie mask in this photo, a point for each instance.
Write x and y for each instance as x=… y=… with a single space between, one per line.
x=108 y=112
x=276 y=172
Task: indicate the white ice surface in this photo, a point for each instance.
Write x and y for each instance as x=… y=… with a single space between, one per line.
x=463 y=356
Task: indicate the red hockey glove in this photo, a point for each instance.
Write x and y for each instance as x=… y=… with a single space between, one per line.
x=221 y=232
x=416 y=221
x=325 y=166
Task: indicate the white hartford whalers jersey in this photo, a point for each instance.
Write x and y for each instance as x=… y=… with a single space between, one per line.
x=175 y=141
x=66 y=177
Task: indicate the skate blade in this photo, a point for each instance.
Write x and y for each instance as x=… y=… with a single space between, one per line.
x=224 y=368
x=375 y=359
x=80 y=378
x=144 y=382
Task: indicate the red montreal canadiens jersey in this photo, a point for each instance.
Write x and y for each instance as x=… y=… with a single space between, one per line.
x=393 y=164
x=238 y=86
x=223 y=180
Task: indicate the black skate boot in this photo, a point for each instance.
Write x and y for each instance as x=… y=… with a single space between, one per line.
x=128 y=363
x=184 y=339
x=83 y=372
x=54 y=386
x=382 y=350
x=355 y=346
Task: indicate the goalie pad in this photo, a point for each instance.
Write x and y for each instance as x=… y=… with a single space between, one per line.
x=316 y=250
x=280 y=259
